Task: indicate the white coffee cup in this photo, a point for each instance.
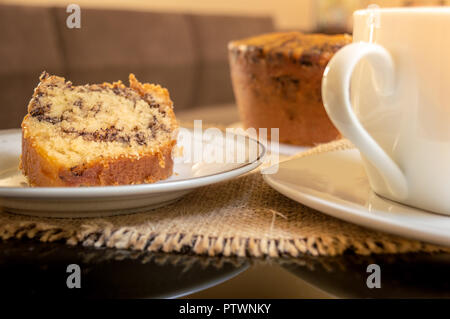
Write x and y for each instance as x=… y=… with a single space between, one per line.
x=389 y=93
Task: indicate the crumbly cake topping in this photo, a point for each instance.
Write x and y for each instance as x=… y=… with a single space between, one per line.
x=99 y=120
x=306 y=49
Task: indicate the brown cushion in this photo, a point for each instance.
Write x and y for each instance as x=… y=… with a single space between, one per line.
x=29 y=46
x=29 y=40
x=156 y=47
x=212 y=34
x=15 y=93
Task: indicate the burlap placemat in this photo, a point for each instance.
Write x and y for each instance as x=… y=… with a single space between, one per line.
x=241 y=217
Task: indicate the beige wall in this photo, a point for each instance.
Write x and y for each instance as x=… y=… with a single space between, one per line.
x=287 y=14
x=296 y=14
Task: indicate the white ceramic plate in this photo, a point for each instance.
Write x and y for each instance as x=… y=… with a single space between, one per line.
x=336 y=184
x=16 y=196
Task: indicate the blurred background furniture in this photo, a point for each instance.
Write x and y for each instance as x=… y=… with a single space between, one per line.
x=187 y=53
x=181 y=44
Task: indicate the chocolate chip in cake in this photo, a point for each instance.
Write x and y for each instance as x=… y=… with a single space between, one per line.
x=152 y=124
x=124 y=139
x=164 y=128
x=308 y=58
x=140 y=138
x=287 y=85
x=76 y=170
x=38 y=111
x=52 y=120
x=78 y=103
x=116 y=91
x=96 y=108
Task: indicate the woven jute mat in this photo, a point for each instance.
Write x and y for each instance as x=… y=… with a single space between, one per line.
x=241 y=217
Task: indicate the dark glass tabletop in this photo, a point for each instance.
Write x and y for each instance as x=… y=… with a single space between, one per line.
x=33 y=269
x=36 y=269
x=402 y=276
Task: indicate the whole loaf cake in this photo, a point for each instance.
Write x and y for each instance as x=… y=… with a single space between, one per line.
x=277 y=84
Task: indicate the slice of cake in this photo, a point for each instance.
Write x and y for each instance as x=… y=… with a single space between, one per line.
x=99 y=134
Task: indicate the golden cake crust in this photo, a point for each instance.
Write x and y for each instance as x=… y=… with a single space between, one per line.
x=42 y=171
x=277 y=84
x=298 y=47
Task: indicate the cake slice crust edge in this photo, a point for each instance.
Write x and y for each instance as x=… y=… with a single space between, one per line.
x=42 y=170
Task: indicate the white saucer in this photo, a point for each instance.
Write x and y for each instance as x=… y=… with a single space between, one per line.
x=17 y=197
x=286 y=149
x=335 y=183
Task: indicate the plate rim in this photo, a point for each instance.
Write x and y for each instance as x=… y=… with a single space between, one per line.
x=358 y=215
x=127 y=190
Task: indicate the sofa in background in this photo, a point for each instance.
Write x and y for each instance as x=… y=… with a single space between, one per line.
x=186 y=53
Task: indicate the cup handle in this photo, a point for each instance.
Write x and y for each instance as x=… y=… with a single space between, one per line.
x=336 y=98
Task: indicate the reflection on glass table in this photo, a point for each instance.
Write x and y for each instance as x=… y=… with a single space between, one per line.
x=33 y=269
